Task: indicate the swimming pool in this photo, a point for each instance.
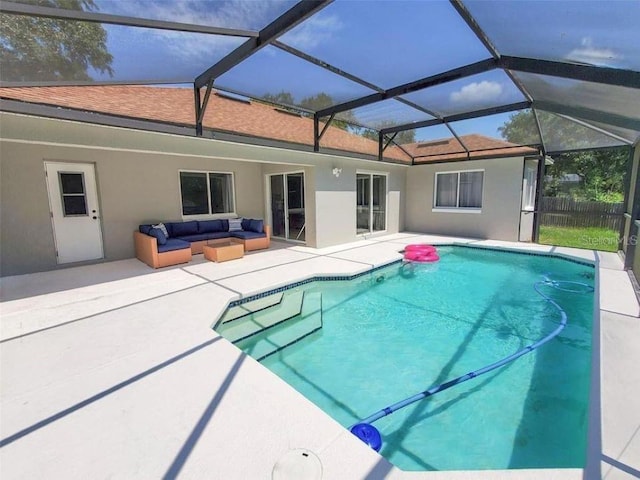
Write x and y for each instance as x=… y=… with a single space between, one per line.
x=364 y=344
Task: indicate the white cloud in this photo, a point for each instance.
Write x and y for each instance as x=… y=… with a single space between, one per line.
x=592 y=55
x=313 y=32
x=475 y=93
x=238 y=14
x=242 y=14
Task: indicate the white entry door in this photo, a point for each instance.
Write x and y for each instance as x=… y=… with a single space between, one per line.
x=73 y=199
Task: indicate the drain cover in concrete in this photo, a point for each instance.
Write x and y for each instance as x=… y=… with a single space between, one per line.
x=298 y=464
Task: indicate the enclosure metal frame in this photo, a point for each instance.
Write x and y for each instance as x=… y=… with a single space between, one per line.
x=301 y=11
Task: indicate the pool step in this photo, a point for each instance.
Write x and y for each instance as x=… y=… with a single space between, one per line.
x=268 y=317
x=285 y=334
x=239 y=311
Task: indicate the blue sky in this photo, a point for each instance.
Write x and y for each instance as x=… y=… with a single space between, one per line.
x=385 y=43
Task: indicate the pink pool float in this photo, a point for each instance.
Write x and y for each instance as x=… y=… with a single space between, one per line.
x=421 y=253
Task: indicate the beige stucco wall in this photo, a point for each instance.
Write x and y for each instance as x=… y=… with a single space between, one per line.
x=133 y=188
x=336 y=200
x=331 y=201
x=502 y=193
x=137 y=176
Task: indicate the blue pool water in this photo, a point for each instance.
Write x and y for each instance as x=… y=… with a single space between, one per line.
x=391 y=334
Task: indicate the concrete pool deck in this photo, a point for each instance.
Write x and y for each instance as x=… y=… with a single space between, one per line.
x=113 y=371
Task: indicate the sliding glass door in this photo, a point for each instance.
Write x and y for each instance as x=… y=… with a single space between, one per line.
x=371 y=203
x=287 y=206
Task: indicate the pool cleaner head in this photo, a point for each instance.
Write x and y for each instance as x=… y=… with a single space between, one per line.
x=368 y=434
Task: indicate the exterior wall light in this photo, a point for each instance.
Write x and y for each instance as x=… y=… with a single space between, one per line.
x=336 y=171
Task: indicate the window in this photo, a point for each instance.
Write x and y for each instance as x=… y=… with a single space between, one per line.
x=74 y=201
x=206 y=193
x=529 y=185
x=459 y=190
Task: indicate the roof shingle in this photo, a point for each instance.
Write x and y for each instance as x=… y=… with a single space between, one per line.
x=175 y=106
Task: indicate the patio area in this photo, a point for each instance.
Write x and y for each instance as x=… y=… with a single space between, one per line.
x=113 y=371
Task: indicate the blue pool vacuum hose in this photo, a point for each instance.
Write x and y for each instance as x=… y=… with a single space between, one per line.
x=367 y=432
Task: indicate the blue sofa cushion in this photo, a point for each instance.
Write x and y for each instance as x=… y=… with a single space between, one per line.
x=159 y=235
x=144 y=229
x=196 y=237
x=210 y=226
x=246 y=223
x=255 y=226
x=246 y=235
x=204 y=236
x=173 y=244
x=235 y=224
x=180 y=229
x=212 y=236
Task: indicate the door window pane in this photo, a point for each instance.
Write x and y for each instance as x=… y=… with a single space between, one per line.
x=74 y=201
x=379 y=202
x=295 y=204
x=362 y=207
x=277 y=206
x=529 y=184
x=74 y=205
x=71 y=183
x=371 y=203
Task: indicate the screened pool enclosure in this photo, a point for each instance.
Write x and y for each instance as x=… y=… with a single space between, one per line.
x=414 y=81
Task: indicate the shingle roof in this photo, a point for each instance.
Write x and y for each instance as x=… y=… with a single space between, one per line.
x=480 y=146
x=175 y=105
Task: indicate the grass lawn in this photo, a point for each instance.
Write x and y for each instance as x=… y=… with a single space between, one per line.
x=591 y=238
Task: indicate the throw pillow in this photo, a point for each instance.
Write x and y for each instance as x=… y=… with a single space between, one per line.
x=235 y=224
x=144 y=229
x=159 y=235
x=256 y=226
x=161 y=226
x=246 y=224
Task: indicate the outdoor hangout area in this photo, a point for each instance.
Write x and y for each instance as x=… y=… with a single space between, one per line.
x=319 y=239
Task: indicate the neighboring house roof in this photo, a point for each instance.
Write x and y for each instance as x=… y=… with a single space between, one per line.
x=176 y=106
x=448 y=149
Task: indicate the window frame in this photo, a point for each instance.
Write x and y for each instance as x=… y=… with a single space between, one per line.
x=64 y=195
x=457 y=208
x=208 y=215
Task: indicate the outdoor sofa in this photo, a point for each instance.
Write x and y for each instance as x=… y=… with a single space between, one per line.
x=158 y=248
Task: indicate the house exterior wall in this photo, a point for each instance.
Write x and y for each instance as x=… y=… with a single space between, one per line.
x=502 y=196
x=138 y=182
x=330 y=201
x=336 y=200
x=133 y=188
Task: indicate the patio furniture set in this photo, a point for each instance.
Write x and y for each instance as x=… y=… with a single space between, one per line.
x=172 y=243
